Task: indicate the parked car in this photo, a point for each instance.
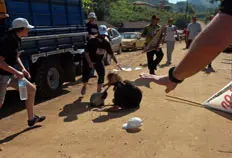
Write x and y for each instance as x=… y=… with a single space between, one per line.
x=115 y=41
x=180 y=35
x=132 y=41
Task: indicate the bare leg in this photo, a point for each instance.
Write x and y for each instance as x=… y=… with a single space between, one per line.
x=30 y=102
x=31 y=91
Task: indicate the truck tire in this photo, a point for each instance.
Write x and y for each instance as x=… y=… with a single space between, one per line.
x=49 y=79
x=107 y=59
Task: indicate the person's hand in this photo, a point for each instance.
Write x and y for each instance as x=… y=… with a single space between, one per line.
x=26 y=73
x=119 y=66
x=161 y=80
x=19 y=75
x=91 y=65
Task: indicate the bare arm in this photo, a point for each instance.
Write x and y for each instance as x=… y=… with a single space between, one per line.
x=110 y=51
x=4 y=66
x=2 y=16
x=88 y=58
x=206 y=46
x=20 y=63
x=114 y=58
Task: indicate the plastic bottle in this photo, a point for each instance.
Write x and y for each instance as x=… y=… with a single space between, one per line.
x=22 y=84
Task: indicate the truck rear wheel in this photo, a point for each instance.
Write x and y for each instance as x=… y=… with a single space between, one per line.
x=49 y=79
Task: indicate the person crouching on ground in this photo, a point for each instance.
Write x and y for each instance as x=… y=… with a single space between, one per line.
x=126 y=95
x=9 y=76
x=94 y=54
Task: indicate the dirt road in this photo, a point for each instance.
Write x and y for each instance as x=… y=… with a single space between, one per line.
x=172 y=128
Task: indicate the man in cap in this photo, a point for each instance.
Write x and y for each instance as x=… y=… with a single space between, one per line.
x=149 y=32
x=9 y=76
x=94 y=53
x=92 y=29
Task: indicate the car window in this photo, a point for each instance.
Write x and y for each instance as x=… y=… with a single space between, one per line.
x=110 y=33
x=115 y=33
x=130 y=36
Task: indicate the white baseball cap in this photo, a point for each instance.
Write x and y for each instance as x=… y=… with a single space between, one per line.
x=92 y=15
x=133 y=123
x=103 y=30
x=21 y=23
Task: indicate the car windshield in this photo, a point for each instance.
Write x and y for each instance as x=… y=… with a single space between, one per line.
x=129 y=36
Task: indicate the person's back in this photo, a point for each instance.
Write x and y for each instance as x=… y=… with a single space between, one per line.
x=127 y=95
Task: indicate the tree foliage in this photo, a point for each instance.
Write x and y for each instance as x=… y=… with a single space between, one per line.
x=118 y=11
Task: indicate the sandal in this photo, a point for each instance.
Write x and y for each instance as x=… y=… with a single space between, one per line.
x=35 y=120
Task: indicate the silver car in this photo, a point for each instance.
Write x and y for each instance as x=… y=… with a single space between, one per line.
x=115 y=41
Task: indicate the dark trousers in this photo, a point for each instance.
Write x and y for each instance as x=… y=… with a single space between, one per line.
x=189 y=43
x=86 y=72
x=152 y=64
x=210 y=65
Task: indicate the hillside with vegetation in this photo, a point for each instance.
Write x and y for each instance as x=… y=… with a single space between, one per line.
x=117 y=11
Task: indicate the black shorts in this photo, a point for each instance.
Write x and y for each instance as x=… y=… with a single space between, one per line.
x=226 y=7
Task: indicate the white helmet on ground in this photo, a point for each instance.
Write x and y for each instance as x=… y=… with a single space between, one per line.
x=133 y=123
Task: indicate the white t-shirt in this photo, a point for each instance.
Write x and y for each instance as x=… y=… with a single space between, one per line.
x=170 y=33
x=194 y=29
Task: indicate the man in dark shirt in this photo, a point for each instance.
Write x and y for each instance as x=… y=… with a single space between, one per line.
x=207 y=46
x=9 y=56
x=94 y=54
x=92 y=28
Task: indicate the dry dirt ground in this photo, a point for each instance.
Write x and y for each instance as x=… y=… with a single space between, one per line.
x=172 y=127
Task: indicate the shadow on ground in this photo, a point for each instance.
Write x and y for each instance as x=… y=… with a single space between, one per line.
x=71 y=111
x=13 y=136
x=113 y=115
x=13 y=104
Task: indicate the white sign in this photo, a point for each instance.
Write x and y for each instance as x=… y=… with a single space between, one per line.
x=222 y=100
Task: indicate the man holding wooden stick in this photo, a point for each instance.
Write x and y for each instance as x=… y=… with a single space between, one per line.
x=150 y=32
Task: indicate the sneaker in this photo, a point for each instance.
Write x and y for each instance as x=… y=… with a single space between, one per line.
x=83 y=90
x=152 y=72
x=35 y=120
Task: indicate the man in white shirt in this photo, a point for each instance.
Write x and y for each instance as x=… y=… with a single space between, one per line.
x=193 y=30
x=169 y=34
